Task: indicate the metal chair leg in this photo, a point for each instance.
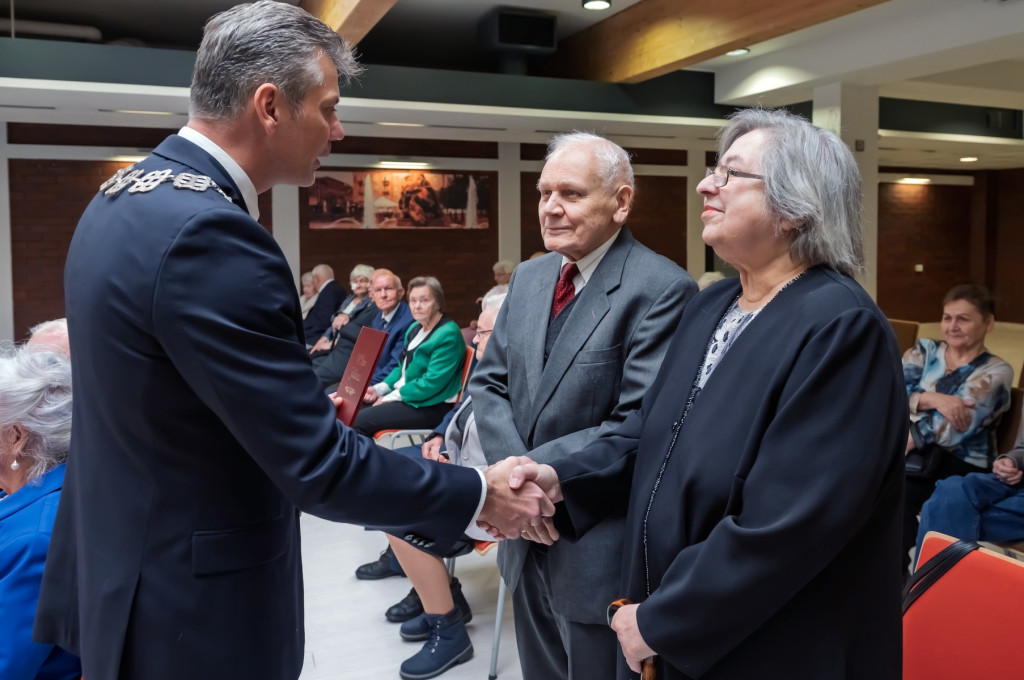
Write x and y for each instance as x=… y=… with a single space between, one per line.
x=498 y=615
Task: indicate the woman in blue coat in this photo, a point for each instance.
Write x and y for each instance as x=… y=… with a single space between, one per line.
x=35 y=432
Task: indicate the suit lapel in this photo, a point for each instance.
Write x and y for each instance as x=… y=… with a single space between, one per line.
x=584 y=317
x=540 y=291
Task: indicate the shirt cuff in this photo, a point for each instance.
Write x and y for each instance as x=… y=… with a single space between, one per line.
x=381 y=388
x=472 y=528
x=395 y=395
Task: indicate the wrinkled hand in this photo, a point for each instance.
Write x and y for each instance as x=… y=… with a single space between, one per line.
x=339 y=321
x=545 y=532
x=1007 y=471
x=633 y=646
x=959 y=412
x=432 y=450
x=508 y=512
x=322 y=343
x=543 y=476
x=371 y=397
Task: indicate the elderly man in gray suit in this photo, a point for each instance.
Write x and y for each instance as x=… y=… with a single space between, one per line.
x=578 y=341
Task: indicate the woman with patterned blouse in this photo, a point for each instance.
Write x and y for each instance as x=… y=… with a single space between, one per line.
x=957 y=391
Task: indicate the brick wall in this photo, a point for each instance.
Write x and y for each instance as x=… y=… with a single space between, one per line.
x=47 y=198
x=658 y=218
x=1006 y=189
x=928 y=225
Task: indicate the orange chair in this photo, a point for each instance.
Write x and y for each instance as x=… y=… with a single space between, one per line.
x=967 y=625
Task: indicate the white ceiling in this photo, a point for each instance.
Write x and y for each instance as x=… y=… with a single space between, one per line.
x=956 y=51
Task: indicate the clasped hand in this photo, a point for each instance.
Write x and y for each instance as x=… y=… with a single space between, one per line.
x=520 y=478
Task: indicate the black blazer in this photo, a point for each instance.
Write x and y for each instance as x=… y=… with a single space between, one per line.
x=772 y=547
x=319 y=317
x=199 y=432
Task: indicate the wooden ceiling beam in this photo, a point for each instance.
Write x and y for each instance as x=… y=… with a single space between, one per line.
x=351 y=19
x=654 y=37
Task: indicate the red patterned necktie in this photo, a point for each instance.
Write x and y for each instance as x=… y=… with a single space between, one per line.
x=565 y=291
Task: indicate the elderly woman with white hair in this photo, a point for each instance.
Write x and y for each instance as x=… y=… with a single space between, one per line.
x=35 y=433
x=761 y=478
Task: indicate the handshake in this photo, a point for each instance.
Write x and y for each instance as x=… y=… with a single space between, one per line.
x=521 y=497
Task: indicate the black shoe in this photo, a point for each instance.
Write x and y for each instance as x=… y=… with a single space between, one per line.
x=417 y=628
x=409 y=607
x=379 y=568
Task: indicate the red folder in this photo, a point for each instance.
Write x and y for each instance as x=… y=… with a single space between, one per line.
x=361 y=365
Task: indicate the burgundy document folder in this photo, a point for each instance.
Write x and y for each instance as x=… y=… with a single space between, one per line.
x=361 y=365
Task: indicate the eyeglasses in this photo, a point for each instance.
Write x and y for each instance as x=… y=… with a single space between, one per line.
x=481 y=334
x=721 y=174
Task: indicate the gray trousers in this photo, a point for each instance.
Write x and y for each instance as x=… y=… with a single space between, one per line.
x=550 y=645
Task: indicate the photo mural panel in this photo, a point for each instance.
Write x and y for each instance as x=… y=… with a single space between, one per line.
x=401 y=199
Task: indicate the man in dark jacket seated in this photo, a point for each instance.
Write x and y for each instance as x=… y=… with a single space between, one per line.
x=390 y=314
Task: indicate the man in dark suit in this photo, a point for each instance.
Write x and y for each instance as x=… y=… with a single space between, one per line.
x=391 y=313
x=331 y=295
x=577 y=343
x=199 y=429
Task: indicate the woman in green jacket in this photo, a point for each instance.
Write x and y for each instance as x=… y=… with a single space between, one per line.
x=425 y=384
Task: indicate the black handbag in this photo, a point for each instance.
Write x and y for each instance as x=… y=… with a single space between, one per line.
x=924 y=462
x=932 y=570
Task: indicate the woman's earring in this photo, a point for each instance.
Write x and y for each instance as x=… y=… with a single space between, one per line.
x=15 y=465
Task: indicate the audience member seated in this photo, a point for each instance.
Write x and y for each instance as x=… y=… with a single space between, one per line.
x=329 y=296
x=503 y=272
x=309 y=294
x=707 y=278
x=435 y=609
x=51 y=335
x=957 y=391
x=356 y=306
x=35 y=432
x=980 y=506
x=422 y=387
x=390 y=313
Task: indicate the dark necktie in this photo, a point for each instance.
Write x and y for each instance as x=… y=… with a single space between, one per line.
x=564 y=290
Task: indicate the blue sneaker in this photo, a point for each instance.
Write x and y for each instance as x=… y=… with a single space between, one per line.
x=447 y=645
x=417 y=629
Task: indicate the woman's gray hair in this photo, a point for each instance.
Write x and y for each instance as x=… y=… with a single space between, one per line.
x=435 y=288
x=307 y=277
x=613 y=164
x=494 y=298
x=811 y=180
x=35 y=392
x=263 y=42
x=361 y=270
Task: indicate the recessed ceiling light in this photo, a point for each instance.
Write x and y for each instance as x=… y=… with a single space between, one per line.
x=402 y=124
x=738 y=52
x=969 y=159
x=597 y=4
x=914 y=180
x=403 y=165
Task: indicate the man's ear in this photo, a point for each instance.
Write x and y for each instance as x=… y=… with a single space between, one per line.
x=623 y=202
x=268 y=103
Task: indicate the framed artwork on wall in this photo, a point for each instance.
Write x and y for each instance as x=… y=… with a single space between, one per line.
x=400 y=199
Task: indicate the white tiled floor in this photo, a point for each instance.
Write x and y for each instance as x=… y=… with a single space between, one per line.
x=347 y=636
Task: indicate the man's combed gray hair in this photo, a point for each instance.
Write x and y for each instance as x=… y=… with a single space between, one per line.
x=35 y=392
x=812 y=181
x=263 y=42
x=613 y=164
x=494 y=298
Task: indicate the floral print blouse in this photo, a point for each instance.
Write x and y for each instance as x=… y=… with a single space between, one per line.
x=987 y=383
